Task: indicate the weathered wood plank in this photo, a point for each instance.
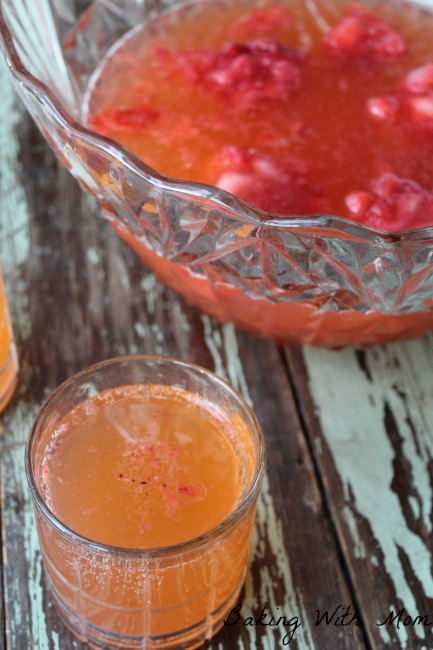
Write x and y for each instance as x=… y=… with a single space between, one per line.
x=14 y=233
x=370 y=415
x=80 y=296
x=290 y=511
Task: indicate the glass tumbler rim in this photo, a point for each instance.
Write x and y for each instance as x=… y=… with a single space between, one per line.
x=163 y=551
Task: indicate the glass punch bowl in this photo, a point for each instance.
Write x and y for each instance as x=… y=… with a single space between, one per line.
x=314 y=279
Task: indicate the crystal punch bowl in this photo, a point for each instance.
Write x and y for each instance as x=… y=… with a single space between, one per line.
x=315 y=279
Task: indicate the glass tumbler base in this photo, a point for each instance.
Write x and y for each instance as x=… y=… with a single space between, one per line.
x=186 y=639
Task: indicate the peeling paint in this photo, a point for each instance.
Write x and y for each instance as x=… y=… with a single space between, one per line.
x=13 y=205
x=15 y=251
x=122 y=274
x=180 y=317
x=140 y=330
x=231 y=370
x=14 y=224
x=234 y=365
x=359 y=546
x=318 y=445
x=157 y=333
x=213 y=344
x=93 y=256
x=149 y=286
x=355 y=431
x=19 y=422
x=268 y=526
x=414 y=506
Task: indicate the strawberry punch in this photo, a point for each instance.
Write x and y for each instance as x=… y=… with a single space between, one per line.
x=297 y=109
x=292 y=110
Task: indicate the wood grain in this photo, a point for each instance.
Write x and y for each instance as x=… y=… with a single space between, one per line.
x=369 y=417
x=78 y=296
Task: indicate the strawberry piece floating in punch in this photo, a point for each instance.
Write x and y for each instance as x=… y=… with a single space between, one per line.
x=418 y=90
x=281 y=185
x=392 y=203
x=383 y=109
x=363 y=35
x=262 y=69
x=413 y=100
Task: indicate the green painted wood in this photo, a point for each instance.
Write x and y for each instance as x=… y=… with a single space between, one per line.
x=78 y=295
x=370 y=421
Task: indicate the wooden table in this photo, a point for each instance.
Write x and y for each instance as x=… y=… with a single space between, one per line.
x=344 y=521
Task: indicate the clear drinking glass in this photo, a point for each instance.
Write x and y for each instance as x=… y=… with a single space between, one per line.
x=171 y=597
x=316 y=279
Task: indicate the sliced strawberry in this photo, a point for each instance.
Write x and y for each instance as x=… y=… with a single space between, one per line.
x=358 y=203
x=420 y=80
x=392 y=204
x=413 y=100
x=365 y=36
x=416 y=92
x=280 y=185
x=383 y=109
x=422 y=108
x=245 y=72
